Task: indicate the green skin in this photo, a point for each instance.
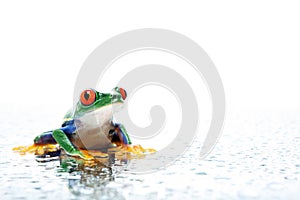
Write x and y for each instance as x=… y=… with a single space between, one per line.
x=89 y=126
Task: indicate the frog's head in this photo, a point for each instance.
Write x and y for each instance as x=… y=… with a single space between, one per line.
x=91 y=100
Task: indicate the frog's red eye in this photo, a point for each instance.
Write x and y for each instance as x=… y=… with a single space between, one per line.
x=87 y=97
x=123 y=93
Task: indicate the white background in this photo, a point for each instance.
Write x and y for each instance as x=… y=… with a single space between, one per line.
x=255 y=45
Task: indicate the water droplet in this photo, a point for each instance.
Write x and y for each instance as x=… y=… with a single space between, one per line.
x=201 y=173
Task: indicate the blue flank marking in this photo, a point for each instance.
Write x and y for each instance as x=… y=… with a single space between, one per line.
x=68 y=127
x=125 y=141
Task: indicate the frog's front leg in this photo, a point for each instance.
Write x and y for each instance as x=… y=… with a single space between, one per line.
x=62 y=139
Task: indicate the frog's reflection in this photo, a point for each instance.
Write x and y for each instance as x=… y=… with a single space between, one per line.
x=92 y=178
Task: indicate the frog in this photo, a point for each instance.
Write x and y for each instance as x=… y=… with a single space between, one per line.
x=90 y=125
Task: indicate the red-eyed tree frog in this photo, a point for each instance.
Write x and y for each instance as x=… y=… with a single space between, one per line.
x=90 y=124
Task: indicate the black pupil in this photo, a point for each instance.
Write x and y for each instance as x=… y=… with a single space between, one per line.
x=86 y=95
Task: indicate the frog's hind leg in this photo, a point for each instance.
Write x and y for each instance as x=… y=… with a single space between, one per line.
x=46 y=146
x=45 y=138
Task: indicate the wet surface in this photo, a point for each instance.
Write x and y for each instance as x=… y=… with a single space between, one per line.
x=257 y=157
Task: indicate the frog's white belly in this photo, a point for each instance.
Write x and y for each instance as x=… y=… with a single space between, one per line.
x=93 y=128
